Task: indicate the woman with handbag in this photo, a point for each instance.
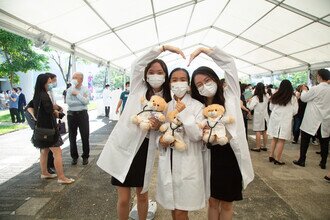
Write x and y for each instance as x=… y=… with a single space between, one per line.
x=46 y=135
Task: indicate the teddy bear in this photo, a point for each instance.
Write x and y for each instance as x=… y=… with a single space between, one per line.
x=155 y=107
x=214 y=125
x=173 y=131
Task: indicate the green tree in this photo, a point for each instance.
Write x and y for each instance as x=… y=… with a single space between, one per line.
x=296 y=78
x=18 y=56
x=116 y=79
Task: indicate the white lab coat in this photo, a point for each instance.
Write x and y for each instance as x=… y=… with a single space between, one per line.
x=126 y=138
x=236 y=130
x=260 y=114
x=280 y=122
x=106 y=95
x=317 y=110
x=183 y=187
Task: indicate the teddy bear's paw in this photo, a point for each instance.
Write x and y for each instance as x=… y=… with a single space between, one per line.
x=222 y=140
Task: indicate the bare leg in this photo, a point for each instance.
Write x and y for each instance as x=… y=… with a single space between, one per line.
x=124 y=197
x=173 y=214
x=272 y=147
x=227 y=210
x=258 y=139
x=57 y=153
x=214 y=209
x=43 y=161
x=142 y=203
x=279 y=146
x=180 y=214
x=265 y=138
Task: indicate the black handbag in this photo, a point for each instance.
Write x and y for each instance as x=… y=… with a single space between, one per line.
x=61 y=127
x=43 y=134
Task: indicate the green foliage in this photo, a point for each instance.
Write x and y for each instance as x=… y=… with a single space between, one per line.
x=18 y=56
x=4 y=129
x=296 y=78
x=116 y=79
x=5 y=116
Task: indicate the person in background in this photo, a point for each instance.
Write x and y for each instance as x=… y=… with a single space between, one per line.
x=259 y=103
x=51 y=86
x=297 y=119
x=2 y=100
x=228 y=168
x=68 y=85
x=106 y=95
x=284 y=106
x=13 y=106
x=77 y=100
x=245 y=111
x=123 y=98
x=316 y=118
x=21 y=104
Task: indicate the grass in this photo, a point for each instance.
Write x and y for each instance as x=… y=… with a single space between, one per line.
x=5 y=116
x=4 y=129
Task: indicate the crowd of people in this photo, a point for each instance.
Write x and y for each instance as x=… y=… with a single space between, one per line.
x=203 y=174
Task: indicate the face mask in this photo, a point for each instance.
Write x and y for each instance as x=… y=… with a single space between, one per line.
x=155 y=80
x=208 y=89
x=179 y=88
x=50 y=87
x=54 y=85
x=74 y=82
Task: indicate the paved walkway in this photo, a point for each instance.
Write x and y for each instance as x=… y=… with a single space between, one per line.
x=278 y=192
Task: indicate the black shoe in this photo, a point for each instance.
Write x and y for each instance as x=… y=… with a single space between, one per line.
x=264 y=148
x=255 y=149
x=276 y=162
x=327 y=179
x=322 y=166
x=294 y=142
x=271 y=159
x=297 y=162
x=51 y=170
x=74 y=161
x=318 y=152
x=85 y=161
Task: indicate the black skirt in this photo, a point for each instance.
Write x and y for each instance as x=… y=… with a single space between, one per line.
x=226 y=177
x=135 y=175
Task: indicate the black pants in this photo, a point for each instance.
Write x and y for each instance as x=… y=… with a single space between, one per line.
x=324 y=144
x=78 y=119
x=107 y=111
x=21 y=114
x=13 y=114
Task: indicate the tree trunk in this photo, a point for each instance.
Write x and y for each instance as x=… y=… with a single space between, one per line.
x=69 y=69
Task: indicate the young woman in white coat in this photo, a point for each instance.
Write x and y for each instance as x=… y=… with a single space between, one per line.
x=129 y=153
x=180 y=173
x=228 y=168
x=259 y=103
x=284 y=106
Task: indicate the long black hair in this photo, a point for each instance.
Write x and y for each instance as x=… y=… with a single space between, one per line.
x=284 y=93
x=260 y=91
x=166 y=85
x=39 y=88
x=218 y=97
x=178 y=69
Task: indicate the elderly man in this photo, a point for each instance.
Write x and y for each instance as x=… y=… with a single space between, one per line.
x=316 y=118
x=77 y=100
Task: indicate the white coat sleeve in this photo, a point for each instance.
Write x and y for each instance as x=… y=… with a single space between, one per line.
x=295 y=105
x=227 y=64
x=138 y=67
x=307 y=96
x=254 y=101
x=190 y=123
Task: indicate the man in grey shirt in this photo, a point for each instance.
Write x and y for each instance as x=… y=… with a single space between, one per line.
x=77 y=98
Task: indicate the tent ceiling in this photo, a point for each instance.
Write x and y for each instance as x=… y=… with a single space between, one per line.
x=262 y=35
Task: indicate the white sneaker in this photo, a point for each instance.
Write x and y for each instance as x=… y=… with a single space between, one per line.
x=152 y=208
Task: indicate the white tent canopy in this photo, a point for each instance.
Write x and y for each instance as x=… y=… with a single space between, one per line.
x=264 y=36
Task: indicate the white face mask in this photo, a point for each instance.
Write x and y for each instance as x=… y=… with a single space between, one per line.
x=208 y=89
x=74 y=82
x=155 y=80
x=179 y=88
